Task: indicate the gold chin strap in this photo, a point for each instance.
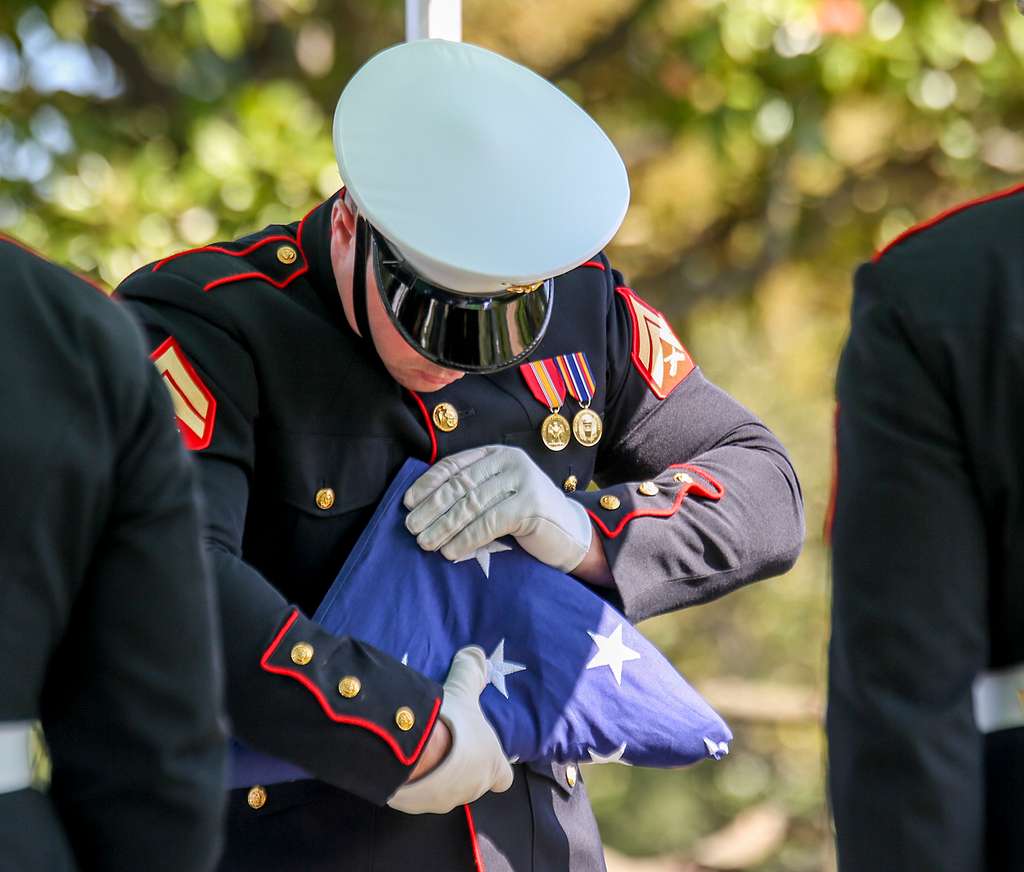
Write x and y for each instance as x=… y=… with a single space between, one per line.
x=529 y=289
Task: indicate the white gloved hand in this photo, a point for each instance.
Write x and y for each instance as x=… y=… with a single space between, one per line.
x=476 y=762
x=469 y=499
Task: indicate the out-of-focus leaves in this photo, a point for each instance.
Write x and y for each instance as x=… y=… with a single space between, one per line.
x=772 y=144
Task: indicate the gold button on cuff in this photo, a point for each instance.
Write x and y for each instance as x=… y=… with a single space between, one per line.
x=349 y=686
x=648 y=489
x=610 y=503
x=405 y=719
x=287 y=255
x=571 y=775
x=446 y=417
x=324 y=498
x=257 y=797
x=683 y=478
x=302 y=653
x=570 y=484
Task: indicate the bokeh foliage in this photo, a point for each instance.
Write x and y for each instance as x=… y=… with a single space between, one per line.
x=772 y=144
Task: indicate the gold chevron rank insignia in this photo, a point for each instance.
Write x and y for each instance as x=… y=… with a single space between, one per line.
x=657 y=353
x=194 y=406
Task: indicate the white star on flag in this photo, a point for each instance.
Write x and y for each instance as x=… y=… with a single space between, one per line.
x=611 y=652
x=718 y=750
x=614 y=757
x=483 y=555
x=498 y=668
x=405 y=659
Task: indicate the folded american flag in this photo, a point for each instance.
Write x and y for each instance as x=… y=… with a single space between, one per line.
x=570 y=679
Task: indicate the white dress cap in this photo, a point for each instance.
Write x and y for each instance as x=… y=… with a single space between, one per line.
x=478 y=171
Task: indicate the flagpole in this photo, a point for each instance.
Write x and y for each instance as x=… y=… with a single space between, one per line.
x=433 y=19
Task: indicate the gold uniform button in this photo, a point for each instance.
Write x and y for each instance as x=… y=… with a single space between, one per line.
x=570 y=484
x=610 y=503
x=405 y=719
x=287 y=255
x=571 y=774
x=446 y=417
x=682 y=478
x=648 y=489
x=349 y=686
x=257 y=797
x=324 y=498
x=302 y=653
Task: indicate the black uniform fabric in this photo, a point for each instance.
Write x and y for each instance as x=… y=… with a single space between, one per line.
x=928 y=557
x=107 y=612
x=302 y=405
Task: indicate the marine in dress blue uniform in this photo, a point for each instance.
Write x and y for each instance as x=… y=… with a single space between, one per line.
x=926 y=687
x=484 y=198
x=107 y=613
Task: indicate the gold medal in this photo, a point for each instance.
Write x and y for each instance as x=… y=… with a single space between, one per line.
x=555 y=431
x=587 y=427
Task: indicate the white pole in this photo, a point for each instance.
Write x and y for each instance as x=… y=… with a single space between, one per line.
x=433 y=19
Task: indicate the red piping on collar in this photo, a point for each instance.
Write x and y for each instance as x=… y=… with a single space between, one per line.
x=376 y=729
x=472 y=837
x=698 y=490
x=942 y=216
x=430 y=425
x=594 y=263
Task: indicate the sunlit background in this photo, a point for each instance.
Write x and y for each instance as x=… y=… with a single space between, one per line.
x=772 y=144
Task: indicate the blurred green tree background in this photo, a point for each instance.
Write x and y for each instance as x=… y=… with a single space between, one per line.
x=772 y=145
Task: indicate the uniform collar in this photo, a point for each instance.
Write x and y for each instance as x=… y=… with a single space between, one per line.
x=314 y=239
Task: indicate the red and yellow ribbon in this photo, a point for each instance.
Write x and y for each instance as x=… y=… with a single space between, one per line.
x=545 y=381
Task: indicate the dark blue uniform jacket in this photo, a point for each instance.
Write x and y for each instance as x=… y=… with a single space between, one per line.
x=298 y=430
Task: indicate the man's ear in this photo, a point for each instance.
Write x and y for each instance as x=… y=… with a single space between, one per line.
x=343 y=221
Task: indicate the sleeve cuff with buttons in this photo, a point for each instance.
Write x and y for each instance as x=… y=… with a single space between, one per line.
x=636 y=511
x=356 y=686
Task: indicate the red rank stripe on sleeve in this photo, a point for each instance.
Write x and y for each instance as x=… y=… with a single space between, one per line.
x=545 y=382
x=657 y=353
x=194 y=406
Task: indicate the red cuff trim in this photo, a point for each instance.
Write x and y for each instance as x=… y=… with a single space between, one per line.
x=942 y=216
x=711 y=489
x=594 y=263
x=473 y=840
x=430 y=426
x=376 y=729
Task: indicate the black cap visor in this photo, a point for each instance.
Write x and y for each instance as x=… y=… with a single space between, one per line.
x=456 y=331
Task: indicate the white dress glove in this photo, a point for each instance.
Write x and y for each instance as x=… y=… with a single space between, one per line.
x=469 y=499
x=476 y=762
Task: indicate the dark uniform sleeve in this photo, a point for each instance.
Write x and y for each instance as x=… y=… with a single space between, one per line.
x=137 y=738
x=725 y=507
x=283 y=669
x=909 y=603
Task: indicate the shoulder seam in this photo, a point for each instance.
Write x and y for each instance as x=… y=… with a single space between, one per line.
x=942 y=216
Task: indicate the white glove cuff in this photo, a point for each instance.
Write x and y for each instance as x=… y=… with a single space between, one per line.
x=581 y=530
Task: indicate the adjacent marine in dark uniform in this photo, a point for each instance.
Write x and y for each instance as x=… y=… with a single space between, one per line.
x=107 y=613
x=299 y=421
x=926 y=698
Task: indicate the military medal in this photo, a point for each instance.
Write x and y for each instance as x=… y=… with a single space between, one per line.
x=547 y=386
x=586 y=424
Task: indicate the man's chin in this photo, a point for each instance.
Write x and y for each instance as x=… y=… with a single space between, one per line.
x=424 y=384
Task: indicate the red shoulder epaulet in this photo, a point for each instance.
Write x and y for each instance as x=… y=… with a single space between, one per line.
x=942 y=216
x=275 y=258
